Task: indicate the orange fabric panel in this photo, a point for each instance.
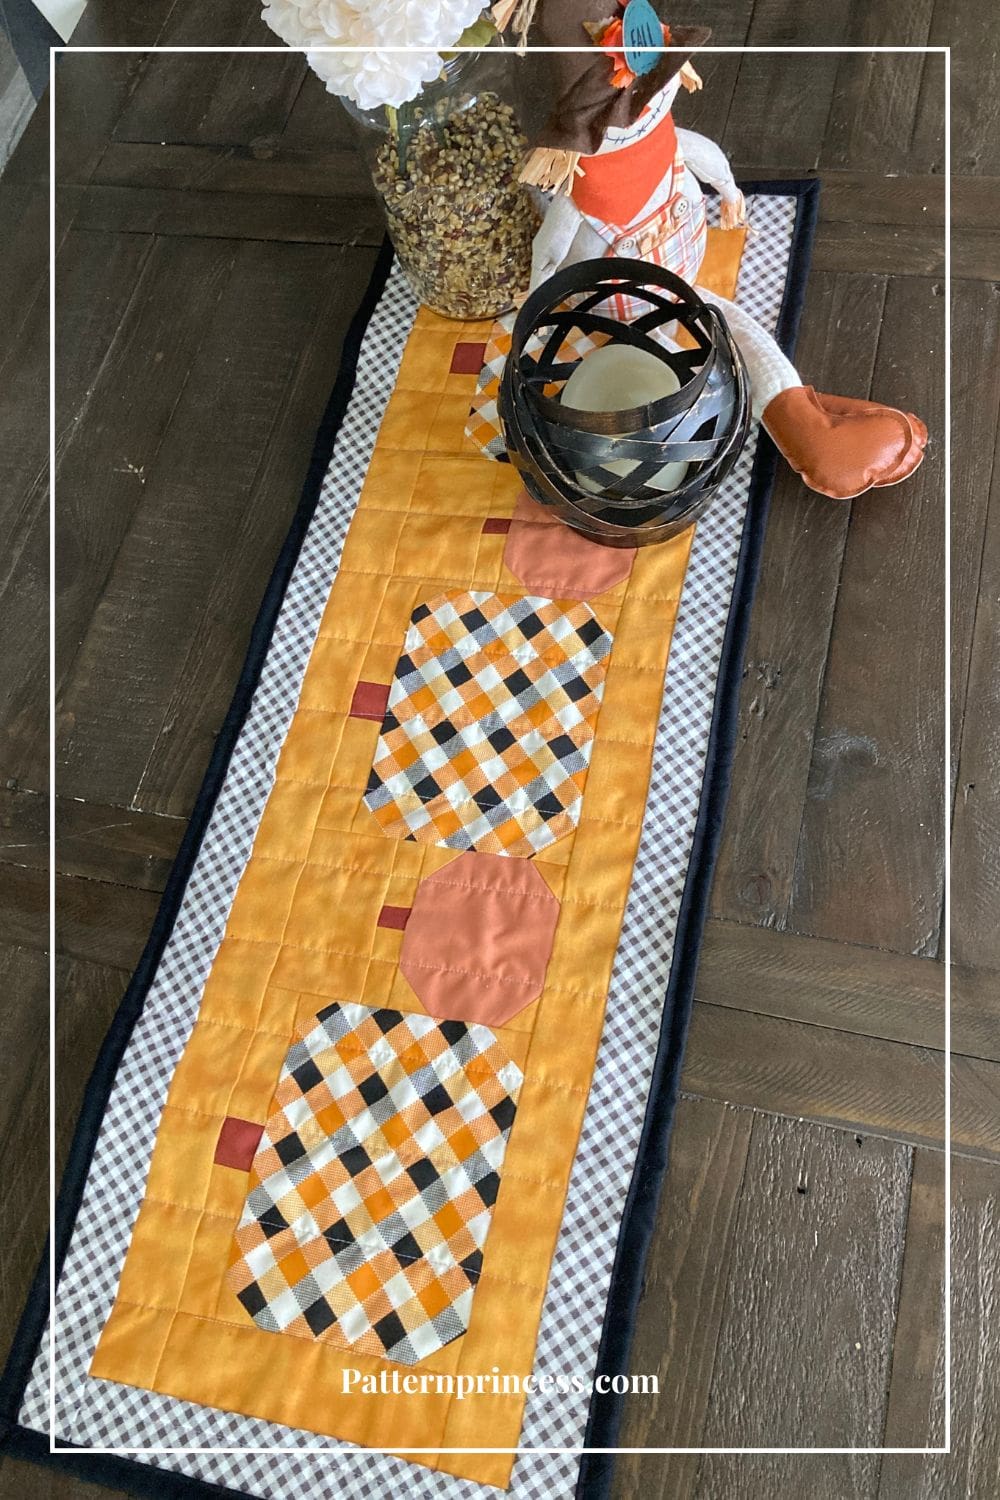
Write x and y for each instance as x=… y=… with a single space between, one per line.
x=305 y=930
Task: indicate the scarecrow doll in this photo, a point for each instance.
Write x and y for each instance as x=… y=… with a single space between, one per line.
x=615 y=176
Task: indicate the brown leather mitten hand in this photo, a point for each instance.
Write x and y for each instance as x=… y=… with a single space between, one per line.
x=842 y=447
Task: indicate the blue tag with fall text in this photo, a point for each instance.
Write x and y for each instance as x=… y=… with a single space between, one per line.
x=641 y=27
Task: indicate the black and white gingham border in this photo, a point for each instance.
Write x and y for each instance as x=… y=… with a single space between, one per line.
x=103 y=1413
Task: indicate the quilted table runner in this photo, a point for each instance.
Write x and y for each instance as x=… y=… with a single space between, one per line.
x=378 y=1131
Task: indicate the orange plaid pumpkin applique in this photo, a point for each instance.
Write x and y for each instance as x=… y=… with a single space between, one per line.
x=487 y=736
x=483 y=424
x=371 y=1192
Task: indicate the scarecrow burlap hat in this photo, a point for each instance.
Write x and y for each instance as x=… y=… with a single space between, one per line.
x=585 y=100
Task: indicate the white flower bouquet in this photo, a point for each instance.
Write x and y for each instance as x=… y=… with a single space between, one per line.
x=369 y=74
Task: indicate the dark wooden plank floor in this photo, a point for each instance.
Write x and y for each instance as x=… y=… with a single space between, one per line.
x=793 y=1295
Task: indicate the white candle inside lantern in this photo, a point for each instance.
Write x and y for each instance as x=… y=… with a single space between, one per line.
x=615 y=378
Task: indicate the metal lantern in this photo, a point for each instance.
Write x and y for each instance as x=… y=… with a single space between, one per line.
x=603 y=471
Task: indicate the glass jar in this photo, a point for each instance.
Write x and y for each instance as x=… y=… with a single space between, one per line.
x=446 y=167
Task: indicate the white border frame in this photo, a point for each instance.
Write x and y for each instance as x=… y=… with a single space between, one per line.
x=54 y=1448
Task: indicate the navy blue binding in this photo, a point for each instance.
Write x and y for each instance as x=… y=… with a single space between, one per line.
x=143 y=1480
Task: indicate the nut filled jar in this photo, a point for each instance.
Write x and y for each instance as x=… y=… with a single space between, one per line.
x=446 y=167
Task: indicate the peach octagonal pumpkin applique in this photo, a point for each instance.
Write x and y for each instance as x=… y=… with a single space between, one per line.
x=544 y=553
x=478 y=940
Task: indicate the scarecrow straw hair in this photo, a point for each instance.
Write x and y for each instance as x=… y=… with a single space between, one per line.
x=555 y=171
x=520 y=12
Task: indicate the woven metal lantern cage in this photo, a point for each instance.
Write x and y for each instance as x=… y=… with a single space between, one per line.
x=563 y=453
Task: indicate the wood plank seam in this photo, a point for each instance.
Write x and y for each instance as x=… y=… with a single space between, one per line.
x=138 y=288
x=65 y=675
x=738 y=1199
x=784 y=924
x=994 y=488
x=895 y=1312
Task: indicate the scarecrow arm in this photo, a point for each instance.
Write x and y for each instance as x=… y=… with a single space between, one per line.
x=841 y=447
x=564 y=238
x=710 y=164
x=770 y=372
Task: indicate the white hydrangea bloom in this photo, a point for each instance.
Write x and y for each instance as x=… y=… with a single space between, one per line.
x=420 y=23
x=295 y=23
x=371 y=75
